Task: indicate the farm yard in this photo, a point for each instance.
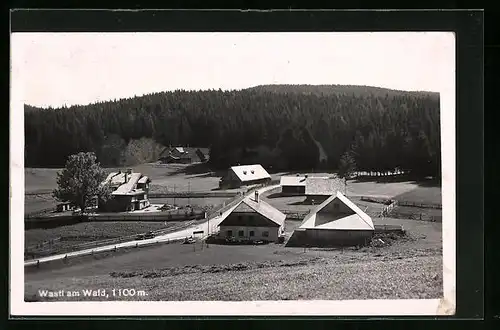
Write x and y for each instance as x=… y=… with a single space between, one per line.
x=409 y=268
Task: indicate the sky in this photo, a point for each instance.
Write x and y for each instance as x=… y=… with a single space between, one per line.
x=79 y=68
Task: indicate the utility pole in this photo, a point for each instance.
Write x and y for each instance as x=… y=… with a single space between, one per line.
x=189 y=192
x=174 y=194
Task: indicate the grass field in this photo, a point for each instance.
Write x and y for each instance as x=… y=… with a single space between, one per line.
x=44 y=180
x=423 y=195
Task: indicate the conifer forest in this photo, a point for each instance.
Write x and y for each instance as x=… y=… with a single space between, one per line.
x=282 y=127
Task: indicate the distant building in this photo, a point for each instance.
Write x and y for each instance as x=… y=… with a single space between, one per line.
x=64 y=207
x=130 y=191
x=243 y=175
x=293 y=185
x=183 y=155
x=318 y=189
x=253 y=220
x=335 y=222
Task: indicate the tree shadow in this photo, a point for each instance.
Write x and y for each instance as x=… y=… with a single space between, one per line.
x=274 y=195
x=199 y=170
x=304 y=202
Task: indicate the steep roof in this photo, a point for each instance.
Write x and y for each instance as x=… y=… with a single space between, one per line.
x=266 y=210
x=357 y=221
x=125 y=188
x=250 y=172
x=293 y=181
x=323 y=186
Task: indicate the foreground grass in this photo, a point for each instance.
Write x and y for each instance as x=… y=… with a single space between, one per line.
x=313 y=278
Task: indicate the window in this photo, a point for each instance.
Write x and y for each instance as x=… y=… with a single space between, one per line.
x=265 y=234
x=241 y=233
x=252 y=233
x=336 y=207
x=229 y=233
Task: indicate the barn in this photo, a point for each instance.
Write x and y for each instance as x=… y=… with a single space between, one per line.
x=318 y=189
x=335 y=222
x=244 y=175
x=293 y=185
x=253 y=220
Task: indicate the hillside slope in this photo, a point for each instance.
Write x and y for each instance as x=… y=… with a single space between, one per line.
x=326 y=90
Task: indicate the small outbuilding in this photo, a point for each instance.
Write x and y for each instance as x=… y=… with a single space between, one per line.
x=293 y=185
x=64 y=207
x=244 y=175
x=318 y=189
x=253 y=220
x=335 y=222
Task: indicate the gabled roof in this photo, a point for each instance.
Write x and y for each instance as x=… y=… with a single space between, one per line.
x=127 y=187
x=250 y=172
x=293 y=181
x=266 y=210
x=323 y=186
x=357 y=221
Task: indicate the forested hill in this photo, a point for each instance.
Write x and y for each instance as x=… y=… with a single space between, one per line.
x=325 y=90
x=382 y=130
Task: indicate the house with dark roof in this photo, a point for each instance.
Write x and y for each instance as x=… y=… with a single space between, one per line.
x=335 y=222
x=244 y=175
x=129 y=191
x=253 y=220
x=318 y=189
x=184 y=155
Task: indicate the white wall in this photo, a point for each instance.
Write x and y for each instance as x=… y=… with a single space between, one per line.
x=273 y=232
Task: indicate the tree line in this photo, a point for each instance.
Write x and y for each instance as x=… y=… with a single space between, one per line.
x=283 y=130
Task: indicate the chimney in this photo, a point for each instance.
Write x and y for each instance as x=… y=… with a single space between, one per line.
x=257 y=196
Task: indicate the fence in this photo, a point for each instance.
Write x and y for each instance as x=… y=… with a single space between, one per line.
x=158 y=216
x=88 y=245
x=36 y=263
x=43 y=244
x=416 y=216
x=388 y=209
x=420 y=205
x=291 y=215
x=386 y=228
x=35 y=214
x=193 y=194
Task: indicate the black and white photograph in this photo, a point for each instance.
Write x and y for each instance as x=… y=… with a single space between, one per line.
x=205 y=169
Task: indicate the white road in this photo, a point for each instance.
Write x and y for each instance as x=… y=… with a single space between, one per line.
x=213 y=222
